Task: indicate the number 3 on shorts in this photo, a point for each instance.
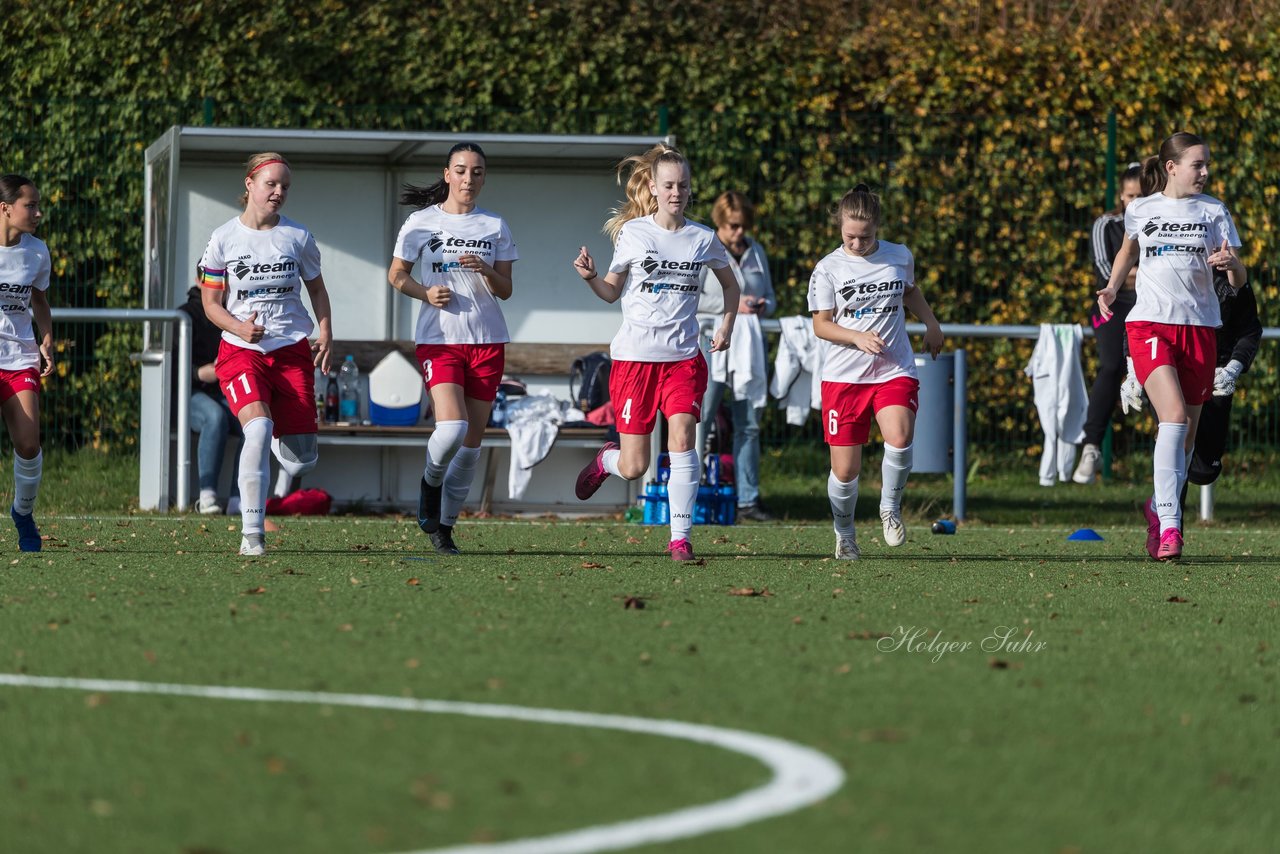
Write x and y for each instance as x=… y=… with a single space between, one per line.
x=1152 y=342
x=833 y=421
x=426 y=369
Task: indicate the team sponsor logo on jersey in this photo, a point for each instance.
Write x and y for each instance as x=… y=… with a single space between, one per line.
x=1173 y=249
x=676 y=287
x=869 y=288
x=462 y=243
x=14 y=288
x=649 y=265
x=1174 y=229
x=446 y=266
x=434 y=242
x=869 y=311
x=261 y=271
x=265 y=291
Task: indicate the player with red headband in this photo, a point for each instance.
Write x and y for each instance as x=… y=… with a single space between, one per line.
x=255 y=268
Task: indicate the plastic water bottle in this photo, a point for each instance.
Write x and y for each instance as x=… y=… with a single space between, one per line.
x=712 y=470
x=331 y=399
x=349 y=390
x=498 y=414
x=944 y=526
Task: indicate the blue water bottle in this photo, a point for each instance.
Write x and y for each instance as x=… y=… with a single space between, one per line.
x=944 y=526
x=712 y=470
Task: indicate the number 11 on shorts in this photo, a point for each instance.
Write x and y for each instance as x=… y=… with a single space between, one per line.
x=231 y=387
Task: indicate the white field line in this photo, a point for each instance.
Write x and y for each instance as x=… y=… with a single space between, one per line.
x=801 y=775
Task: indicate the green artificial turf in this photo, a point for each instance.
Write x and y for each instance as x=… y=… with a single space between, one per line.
x=1138 y=711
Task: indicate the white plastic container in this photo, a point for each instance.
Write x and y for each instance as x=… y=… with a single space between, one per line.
x=395 y=392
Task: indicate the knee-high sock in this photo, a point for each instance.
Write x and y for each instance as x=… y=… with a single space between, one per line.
x=255 y=462
x=682 y=492
x=609 y=459
x=26 y=481
x=284 y=484
x=843 y=498
x=457 y=483
x=445 y=441
x=1170 y=464
x=893 y=474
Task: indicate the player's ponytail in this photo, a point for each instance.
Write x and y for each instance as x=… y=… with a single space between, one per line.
x=11 y=187
x=1154 y=173
x=639 y=170
x=424 y=197
x=859 y=204
x=256 y=162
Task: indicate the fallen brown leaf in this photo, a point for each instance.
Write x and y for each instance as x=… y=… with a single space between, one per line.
x=633 y=603
x=749 y=591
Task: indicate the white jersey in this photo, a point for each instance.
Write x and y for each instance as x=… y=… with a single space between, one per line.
x=1175 y=238
x=864 y=293
x=263 y=272
x=22 y=268
x=437 y=240
x=664 y=281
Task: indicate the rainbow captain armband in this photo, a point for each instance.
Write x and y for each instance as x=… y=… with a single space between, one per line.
x=216 y=279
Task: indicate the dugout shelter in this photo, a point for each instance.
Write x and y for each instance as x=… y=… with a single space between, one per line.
x=555 y=191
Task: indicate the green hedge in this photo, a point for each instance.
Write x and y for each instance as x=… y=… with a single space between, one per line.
x=986 y=135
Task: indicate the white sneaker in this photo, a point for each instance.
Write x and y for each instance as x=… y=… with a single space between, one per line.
x=1087 y=471
x=895 y=533
x=847 y=548
x=208 y=505
x=253 y=545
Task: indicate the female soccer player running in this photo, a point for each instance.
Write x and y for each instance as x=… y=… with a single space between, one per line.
x=1182 y=235
x=24 y=278
x=857 y=294
x=656 y=271
x=258 y=263
x=466 y=254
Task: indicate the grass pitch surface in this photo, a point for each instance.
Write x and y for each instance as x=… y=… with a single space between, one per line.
x=1000 y=689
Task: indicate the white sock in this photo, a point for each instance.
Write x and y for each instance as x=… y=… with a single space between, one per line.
x=1170 y=464
x=609 y=459
x=843 y=497
x=284 y=484
x=255 y=471
x=445 y=441
x=893 y=475
x=682 y=492
x=26 y=482
x=457 y=484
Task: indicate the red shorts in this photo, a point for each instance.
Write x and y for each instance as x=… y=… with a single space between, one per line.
x=475 y=367
x=284 y=380
x=12 y=382
x=1192 y=351
x=639 y=390
x=847 y=408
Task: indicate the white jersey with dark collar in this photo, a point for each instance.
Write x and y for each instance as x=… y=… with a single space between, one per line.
x=864 y=293
x=1175 y=239
x=664 y=281
x=263 y=271
x=436 y=240
x=22 y=268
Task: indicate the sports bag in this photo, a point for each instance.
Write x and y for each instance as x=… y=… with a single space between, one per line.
x=589 y=381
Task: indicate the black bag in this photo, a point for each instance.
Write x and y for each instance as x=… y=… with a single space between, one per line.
x=589 y=381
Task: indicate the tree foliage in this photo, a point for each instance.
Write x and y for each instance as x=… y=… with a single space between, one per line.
x=983 y=124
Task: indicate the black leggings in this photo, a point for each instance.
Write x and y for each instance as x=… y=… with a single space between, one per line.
x=1105 y=393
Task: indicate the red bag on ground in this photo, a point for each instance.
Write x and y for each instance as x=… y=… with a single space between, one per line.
x=301 y=502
